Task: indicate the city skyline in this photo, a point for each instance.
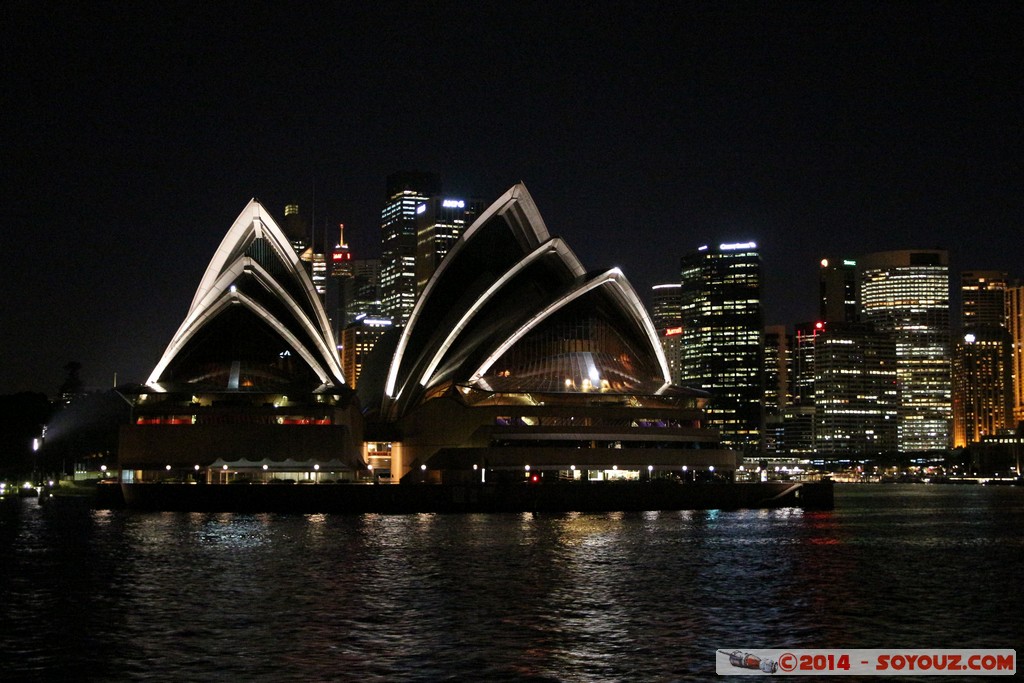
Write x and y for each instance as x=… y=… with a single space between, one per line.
x=813 y=130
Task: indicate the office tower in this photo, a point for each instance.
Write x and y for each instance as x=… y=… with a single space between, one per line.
x=906 y=294
x=982 y=296
x=666 y=305
x=340 y=272
x=982 y=370
x=310 y=250
x=845 y=395
x=723 y=349
x=357 y=341
x=362 y=292
x=804 y=345
x=440 y=221
x=839 y=291
x=778 y=396
x=855 y=393
x=666 y=314
x=316 y=262
x=1014 y=307
x=295 y=228
x=982 y=384
x=406 y=191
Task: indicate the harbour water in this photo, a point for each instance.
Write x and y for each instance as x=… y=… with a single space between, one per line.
x=124 y=595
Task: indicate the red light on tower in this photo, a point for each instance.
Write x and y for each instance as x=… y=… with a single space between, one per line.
x=819 y=326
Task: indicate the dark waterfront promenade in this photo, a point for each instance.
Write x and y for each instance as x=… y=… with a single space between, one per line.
x=109 y=595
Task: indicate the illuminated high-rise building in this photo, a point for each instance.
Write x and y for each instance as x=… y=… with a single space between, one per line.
x=666 y=313
x=982 y=368
x=906 y=294
x=406 y=191
x=362 y=292
x=845 y=394
x=982 y=384
x=357 y=341
x=310 y=251
x=341 y=256
x=855 y=395
x=666 y=305
x=723 y=348
x=982 y=297
x=778 y=361
x=1014 y=307
x=838 y=291
x=295 y=228
x=340 y=271
x=440 y=220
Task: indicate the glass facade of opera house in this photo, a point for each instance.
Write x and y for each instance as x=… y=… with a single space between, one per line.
x=516 y=364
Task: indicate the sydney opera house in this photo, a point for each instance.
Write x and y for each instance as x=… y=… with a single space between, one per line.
x=517 y=365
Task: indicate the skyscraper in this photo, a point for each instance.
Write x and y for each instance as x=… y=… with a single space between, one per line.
x=982 y=297
x=723 y=350
x=1015 y=325
x=666 y=313
x=839 y=290
x=362 y=292
x=982 y=384
x=778 y=361
x=310 y=251
x=906 y=294
x=406 y=191
x=340 y=272
x=439 y=222
x=295 y=228
x=982 y=375
x=855 y=391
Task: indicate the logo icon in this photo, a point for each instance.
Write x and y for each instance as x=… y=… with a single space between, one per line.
x=746 y=660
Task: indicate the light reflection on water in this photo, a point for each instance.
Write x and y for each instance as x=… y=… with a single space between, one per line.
x=116 y=595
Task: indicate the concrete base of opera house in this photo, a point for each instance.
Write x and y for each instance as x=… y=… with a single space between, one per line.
x=471 y=498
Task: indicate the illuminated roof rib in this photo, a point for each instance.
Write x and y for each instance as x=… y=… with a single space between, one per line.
x=614 y=284
x=501 y=280
x=256 y=269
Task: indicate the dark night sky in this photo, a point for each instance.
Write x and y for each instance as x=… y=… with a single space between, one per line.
x=133 y=136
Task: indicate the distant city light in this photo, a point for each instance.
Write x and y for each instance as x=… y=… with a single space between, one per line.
x=969 y=338
x=737 y=245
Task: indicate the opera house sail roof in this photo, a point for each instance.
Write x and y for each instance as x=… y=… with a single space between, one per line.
x=255 y=323
x=512 y=309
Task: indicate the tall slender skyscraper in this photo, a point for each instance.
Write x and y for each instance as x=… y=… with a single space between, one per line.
x=1015 y=325
x=778 y=395
x=982 y=371
x=906 y=294
x=666 y=313
x=406 y=191
x=982 y=384
x=723 y=347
